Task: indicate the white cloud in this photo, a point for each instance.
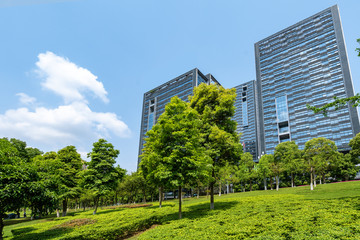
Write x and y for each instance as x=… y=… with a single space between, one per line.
x=26 y=99
x=67 y=79
x=72 y=123
x=68 y=124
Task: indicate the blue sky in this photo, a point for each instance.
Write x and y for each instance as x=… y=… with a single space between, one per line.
x=72 y=71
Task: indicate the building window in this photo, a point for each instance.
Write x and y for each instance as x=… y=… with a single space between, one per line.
x=151 y=114
x=281 y=109
x=201 y=80
x=245 y=113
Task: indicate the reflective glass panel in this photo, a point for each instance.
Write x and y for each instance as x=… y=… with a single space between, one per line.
x=245 y=113
x=281 y=109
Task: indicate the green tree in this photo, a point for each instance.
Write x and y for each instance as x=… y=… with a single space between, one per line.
x=355 y=149
x=227 y=175
x=130 y=187
x=277 y=166
x=101 y=176
x=215 y=105
x=181 y=159
x=13 y=180
x=344 y=168
x=249 y=173
x=71 y=166
x=264 y=170
x=358 y=49
x=43 y=190
x=289 y=157
x=318 y=154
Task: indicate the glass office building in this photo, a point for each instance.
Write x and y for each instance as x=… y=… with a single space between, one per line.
x=155 y=100
x=305 y=63
x=245 y=116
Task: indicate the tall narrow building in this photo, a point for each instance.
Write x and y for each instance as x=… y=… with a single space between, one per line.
x=246 y=117
x=155 y=100
x=304 y=63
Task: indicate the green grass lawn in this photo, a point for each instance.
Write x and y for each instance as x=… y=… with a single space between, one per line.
x=331 y=211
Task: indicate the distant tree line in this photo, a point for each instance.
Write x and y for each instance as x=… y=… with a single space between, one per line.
x=49 y=182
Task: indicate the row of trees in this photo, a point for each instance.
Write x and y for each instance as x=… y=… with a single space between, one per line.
x=46 y=182
x=318 y=161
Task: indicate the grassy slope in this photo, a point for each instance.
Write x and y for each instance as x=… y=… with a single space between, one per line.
x=331 y=211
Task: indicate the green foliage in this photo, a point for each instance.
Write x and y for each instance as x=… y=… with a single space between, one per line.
x=264 y=168
x=174 y=155
x=358 y=49
x=131 y=186
x=215 y=106
x=329 y=212
x=45 y=185
x=355 y=148
x=14 y=177
x=338 y=103
x=288 y=156
x=101 y=177
x=319 y=155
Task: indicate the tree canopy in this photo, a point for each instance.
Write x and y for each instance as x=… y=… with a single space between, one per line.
x=173 y=153
x=215 y=106
x=101 y=176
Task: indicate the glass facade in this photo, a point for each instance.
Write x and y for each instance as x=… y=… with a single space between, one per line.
x=281 y=109
x=304 y=64
x=155 y=100
x=245 y=113
x=245 y=116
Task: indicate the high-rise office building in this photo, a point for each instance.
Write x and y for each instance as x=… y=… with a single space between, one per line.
x=155 y=100
x=246 y=117
x=304 y=63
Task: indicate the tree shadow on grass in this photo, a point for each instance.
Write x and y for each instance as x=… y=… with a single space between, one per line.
x=25 y=233
x=163 y=206
x=200 y=210
x=109 y=211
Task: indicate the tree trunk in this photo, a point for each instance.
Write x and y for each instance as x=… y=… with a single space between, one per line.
x=250 y=185
x=179 y=196
x=64 y=207
x=311 y=179
x=57 y=212
x=160 y=196
x=198 y=192
x=292 y=180
x=24 y=212
x=219 y=188
x=314 y=179
x=320 y=181
x=32 y=214
x=96 y=204
x=265 y=185
x=324 y=179
x=144 y=193
x=227 y=188
x=277 y=183
x=212 y=190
